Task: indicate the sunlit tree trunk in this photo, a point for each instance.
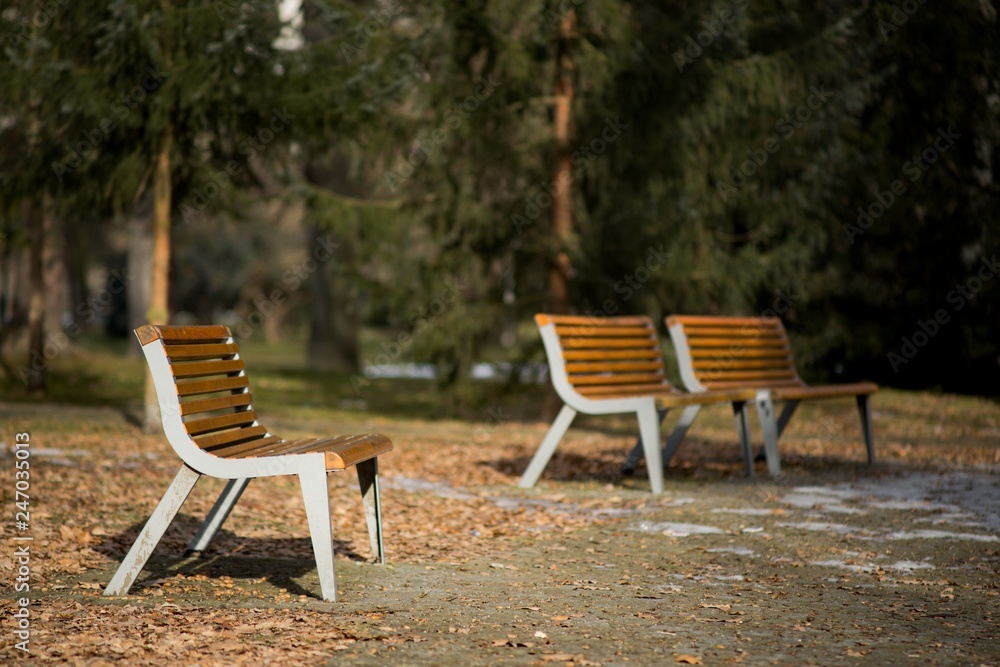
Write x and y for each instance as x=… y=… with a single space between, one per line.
x=159 y=310
x=562 y=198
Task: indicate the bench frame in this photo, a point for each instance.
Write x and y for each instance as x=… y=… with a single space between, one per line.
x=321 y=456
x=784 y=385
x=644 y=405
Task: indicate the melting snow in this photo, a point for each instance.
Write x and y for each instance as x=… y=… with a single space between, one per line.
x=677 y=529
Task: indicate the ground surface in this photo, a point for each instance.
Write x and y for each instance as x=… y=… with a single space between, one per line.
x=834 y=562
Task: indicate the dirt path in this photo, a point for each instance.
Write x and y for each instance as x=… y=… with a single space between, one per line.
x=833 y=563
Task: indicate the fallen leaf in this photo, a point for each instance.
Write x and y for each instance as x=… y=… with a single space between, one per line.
x=686 y=659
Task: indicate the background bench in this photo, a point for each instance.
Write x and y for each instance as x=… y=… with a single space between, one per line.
x=615 y=365
x=716 y=353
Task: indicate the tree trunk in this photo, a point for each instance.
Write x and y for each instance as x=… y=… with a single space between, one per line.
x=139 y=266
x=159 y=309
x=562 y=198
x=34 y=373
x=333 y=316
x=75 y=253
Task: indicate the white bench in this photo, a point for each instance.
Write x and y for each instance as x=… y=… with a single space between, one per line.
x=209 y=420
x=615 y=365
x=724 y=353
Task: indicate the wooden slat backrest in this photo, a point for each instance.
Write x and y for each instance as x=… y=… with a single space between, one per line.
x=213 y=391
x=610 y=355
x=728 y=352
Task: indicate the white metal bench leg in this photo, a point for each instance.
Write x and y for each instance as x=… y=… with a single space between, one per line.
x=635 y=454
x=316 y=495
x=680 y=430
x=368 y=481
x=153 y=531
x=865 y=408
x=769 y=426
x=786 y=416
x=548 y=446
x=217 y=516
x=649 y=431
x=742 y=416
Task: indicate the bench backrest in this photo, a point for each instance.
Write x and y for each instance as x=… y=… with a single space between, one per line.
x=607 y=357
x=727 y=352
x=210 y=386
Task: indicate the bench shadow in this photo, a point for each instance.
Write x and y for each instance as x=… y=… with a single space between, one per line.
x=280 y=561
x=700 y=459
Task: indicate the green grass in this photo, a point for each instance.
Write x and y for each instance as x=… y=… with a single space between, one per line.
x=97 y=370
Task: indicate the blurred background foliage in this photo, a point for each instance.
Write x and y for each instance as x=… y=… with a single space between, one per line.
x=387 y=171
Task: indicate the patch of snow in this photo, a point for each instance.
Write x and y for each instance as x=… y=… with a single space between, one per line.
x=739 y=551
x=821 y=526
x=677 y=529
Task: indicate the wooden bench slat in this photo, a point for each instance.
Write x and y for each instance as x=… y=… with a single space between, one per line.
x=344 y=456
x=764 y=375
x=645 y=389
x=341 y=451
x=762 y=353
x=696 y=333
x=229 y=438
x=722 y=321
x=194 y=387
x=824 y=391
x=758 y=384
x=739 y=363
x=616 y=378
x=575 y=355
x=246 y=448
x=198 y=405
x=585 y=320
x=191 y=369
x=604 y=331
x=208 y=424
x=613 y=367
x=736 y=345
x=185 y=352
x=604 y=343
x=168 y=334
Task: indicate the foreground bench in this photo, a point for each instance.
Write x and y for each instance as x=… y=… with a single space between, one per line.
x=615 y=365
x=716 y=353
x=208 y=418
